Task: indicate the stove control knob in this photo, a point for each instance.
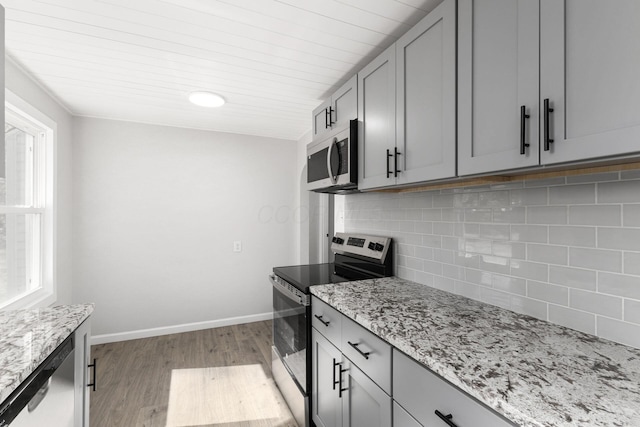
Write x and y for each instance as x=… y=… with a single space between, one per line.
x=337 y=240
x=379 y=247
x=372 y=246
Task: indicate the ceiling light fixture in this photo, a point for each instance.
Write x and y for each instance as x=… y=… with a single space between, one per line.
x=206 y=99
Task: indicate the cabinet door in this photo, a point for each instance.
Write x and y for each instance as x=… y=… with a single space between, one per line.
x=377 y=116
x=590 y=63
x=364 y=404
x=326 y=362
x=344 y=103
x=402 y=418
x=426 y=97
x=498 y=45
x=82 y=337
x=320 y=117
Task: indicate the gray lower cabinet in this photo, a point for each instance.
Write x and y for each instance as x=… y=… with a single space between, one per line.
x=343 y=396
x=82 y=377
x=401 y=418
x=423 y=395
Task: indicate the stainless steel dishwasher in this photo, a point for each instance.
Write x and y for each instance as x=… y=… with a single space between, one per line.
x=46 y=397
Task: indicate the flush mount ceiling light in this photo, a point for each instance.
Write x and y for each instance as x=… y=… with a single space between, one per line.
x=206 y=99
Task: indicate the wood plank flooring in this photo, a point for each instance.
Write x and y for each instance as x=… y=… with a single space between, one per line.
x=133 y=377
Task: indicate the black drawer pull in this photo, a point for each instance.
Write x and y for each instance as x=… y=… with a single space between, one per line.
x=324 y=322
x=93 y=380
x=446 y=418
x=523 y=129
x=365 y=355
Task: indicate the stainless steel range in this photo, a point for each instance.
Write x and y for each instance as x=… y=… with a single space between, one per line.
x=358 y=257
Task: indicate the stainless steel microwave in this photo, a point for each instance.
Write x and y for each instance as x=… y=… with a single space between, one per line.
x=332 y=163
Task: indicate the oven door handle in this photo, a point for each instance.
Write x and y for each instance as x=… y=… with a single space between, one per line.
x=290 y=292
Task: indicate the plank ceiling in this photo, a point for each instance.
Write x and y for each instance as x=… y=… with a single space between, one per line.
x=137 y=60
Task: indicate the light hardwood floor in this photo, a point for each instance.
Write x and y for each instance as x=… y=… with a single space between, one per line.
x=133 y=377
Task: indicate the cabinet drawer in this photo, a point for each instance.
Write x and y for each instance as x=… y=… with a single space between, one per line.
x=422 y=392
x=327 y=320
x=370 y=353
x=401 y=418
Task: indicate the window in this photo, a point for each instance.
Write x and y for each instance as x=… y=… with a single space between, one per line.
x=26 y=207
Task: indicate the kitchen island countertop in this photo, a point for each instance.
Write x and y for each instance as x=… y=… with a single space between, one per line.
x=535 y=373
x=27 y=337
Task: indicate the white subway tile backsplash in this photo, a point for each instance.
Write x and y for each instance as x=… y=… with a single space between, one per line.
x=530 y=270
x=530 y=233
x=632 y=263
x=573 y=277
x=574 y=319
x=619 y=238
x=593 y=302
x=478 y=215
x=529 y=197
x=572 y=236
x=619 y=284
x=509 y=250
x=547 y=253
x=596 y=259
x=572 y=194
x=631 y=214
x=494 y=264
x=511 y=215
x=622 y=332
x=547 y=215
x=566 y=250
x=632 y=311
x=595 y=215
x=513 y=285
x=619 y=192
x=549 y=293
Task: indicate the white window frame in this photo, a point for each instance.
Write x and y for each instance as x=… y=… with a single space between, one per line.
x=46 y=294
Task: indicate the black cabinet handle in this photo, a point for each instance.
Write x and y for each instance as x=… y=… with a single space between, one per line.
x=446 y=418
x=93 y=380
x=324 y=322
x=523 y=129
x=395 y=162
x=335 y=382
x=331 y=111
x=340 y=389
x=362 y=353
x=327 y=119
x=547 y=114
x=388 y=155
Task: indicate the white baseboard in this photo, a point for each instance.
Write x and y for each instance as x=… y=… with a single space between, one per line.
x=187 y=327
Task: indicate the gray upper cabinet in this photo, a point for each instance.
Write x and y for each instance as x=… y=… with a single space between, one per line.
x=546 y=82
x=337 y=110
x=426 y=98
x=498 y=56
x=590 y=63
x=377 y=116
x=407 y=106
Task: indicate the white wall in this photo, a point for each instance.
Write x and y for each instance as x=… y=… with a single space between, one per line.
x=19 y=82
x=156 y=211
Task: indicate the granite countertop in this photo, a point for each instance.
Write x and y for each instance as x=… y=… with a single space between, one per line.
x=27 y=337
x=533 y=372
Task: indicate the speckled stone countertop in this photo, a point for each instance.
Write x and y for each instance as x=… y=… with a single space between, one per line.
x=27 y=337
x=533 y=372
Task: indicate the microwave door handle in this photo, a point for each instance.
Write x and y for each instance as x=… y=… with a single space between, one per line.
x=333 y=176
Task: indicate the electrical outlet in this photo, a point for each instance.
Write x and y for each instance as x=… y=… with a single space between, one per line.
x=237 y=246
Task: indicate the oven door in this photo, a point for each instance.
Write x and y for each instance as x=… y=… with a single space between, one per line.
x=290 y=311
